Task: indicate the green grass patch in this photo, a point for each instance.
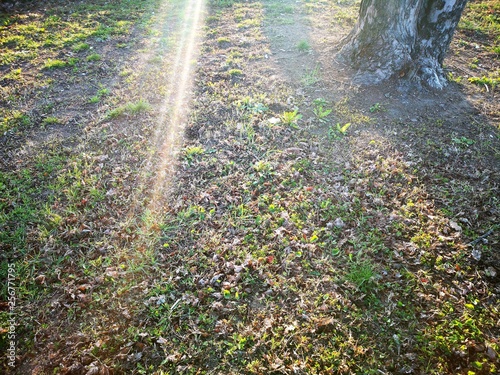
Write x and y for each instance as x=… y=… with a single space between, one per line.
x=482 y=17
x=51 y=121
x=491 y=82
x=303 y=46
x=102 y=92
x=13 y=119
x=133 y=109
x=223 y=40
x=291 y=118
x=14 y=74
x=311 y=77
x=80 y=47
x=277 y=9
x=55 y=64
x=249 y=23
x=235 y=72
x=94 y=57
x=222 y=3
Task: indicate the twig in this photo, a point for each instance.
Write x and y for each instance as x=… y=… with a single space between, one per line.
x=481 y=237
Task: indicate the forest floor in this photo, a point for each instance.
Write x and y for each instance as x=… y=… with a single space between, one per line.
x=193 y=187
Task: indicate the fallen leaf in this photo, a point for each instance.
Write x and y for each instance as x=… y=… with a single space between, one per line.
x=454 y=225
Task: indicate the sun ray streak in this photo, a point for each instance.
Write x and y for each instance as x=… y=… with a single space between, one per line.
x=172 y=114
x=182 y=78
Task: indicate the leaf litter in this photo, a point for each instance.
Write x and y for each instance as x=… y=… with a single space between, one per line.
x=279 y=249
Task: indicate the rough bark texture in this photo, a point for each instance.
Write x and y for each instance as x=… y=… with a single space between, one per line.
x=403 y=38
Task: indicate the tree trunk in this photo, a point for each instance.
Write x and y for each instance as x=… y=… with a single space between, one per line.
x=402 y=38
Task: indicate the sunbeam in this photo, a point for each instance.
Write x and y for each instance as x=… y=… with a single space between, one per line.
x=175 y=106
x=171 y=114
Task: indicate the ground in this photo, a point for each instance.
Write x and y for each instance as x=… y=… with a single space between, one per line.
x=191 y=187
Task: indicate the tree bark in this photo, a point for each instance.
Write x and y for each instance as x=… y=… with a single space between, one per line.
x=402 y=38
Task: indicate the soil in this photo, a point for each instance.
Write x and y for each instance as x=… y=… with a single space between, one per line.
x=447 y=140
x=413 y=119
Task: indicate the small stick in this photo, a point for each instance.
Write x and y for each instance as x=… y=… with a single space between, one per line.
x=480 y=238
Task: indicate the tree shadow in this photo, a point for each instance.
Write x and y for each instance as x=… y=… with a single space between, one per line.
x=425 y=160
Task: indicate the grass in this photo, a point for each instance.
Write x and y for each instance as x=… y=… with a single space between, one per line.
x=93 y=57
x=13 y=120
x=482 y=17
x=45 y=198
x=350 y=113
x=223 y=40
x=235 y=58
x=222 y=3
x=361 y=274
x=491 y=82
x=235 y=72
x=14 y=74
x=193 y=152
x=249 y=23
x=131 y=108
x=463 y=141
x=272 y=248
x=56 y=31
x=377 y=107
x=80 y=47
x=303 y=46
x=311 y=77
x=55 y=64
x=480 y=20
x=51 y=121
x=253 y=104
x=102 y=92
x=451 y=77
